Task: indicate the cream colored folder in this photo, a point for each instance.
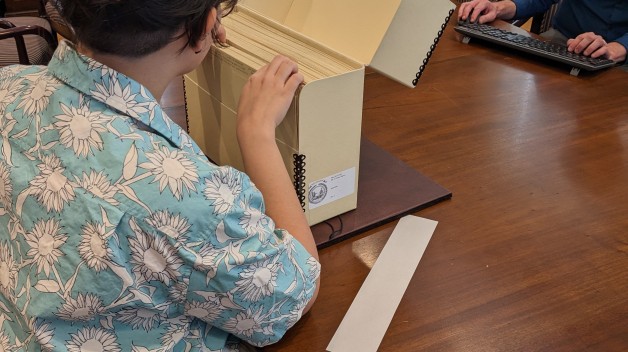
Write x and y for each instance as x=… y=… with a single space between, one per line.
x=320 y=137
x=394 y=37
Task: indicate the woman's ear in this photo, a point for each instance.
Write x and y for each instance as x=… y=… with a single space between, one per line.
x=212 y=17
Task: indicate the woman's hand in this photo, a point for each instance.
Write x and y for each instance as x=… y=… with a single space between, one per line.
x=267 y=96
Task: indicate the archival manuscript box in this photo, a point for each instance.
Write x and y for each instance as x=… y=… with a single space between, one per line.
x=332 y=41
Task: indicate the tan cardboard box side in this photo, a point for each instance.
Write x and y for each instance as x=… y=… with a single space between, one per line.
x=323 y=125
x=394 y=37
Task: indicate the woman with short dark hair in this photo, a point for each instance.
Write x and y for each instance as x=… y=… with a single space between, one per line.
x=116 y=232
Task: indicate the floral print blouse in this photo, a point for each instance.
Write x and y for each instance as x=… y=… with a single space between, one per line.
x=117 y=233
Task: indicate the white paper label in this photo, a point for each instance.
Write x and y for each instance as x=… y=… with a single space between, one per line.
x=365 y=324
x=331 y=188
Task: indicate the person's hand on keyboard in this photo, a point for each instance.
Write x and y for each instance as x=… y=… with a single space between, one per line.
x=591 y=44
x=483 y=11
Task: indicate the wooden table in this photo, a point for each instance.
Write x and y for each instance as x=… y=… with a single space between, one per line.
x=531 y=253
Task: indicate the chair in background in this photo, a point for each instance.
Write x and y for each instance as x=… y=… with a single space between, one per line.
x=543 y=21
x=25 y=40
x=31 y=40
x=50 y=9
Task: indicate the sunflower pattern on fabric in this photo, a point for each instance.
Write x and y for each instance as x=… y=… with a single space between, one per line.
x=117 y=233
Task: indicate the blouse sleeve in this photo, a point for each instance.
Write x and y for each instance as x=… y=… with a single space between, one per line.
x=248 y=278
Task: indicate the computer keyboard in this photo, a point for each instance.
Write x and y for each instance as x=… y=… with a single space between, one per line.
x=548 y=50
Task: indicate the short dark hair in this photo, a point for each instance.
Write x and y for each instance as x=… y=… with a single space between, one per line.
x=135 y=28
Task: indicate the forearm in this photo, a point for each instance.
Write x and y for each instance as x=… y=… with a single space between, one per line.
x=264 y=102
x=616 y=52
x=264 y=165
x=623 y=41
x=506 y=9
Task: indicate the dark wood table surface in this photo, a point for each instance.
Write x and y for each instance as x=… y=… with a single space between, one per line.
x=531 y=253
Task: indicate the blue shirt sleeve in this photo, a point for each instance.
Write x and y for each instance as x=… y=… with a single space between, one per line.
x=529 y=8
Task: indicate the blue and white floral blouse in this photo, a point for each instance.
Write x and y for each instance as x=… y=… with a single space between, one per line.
x=115 y=238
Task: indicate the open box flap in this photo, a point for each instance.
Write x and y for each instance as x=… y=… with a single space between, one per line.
x=393 y=36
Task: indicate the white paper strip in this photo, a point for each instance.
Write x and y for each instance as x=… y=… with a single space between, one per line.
x=366 y=321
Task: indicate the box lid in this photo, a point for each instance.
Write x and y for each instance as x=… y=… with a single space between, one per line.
x=394 y=37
